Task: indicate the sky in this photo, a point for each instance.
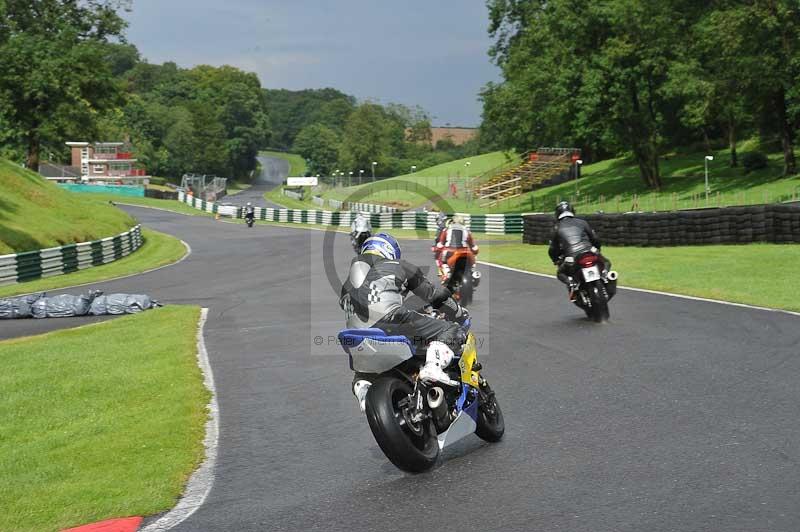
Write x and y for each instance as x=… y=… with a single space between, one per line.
x=431 y=53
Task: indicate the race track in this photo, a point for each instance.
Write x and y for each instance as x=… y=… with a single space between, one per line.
x=273 y=172
x=676 y=416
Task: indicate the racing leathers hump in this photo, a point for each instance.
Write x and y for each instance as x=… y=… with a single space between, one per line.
x=571 y=237
x=375 y=289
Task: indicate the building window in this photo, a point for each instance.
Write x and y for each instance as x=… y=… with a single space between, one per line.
x=99 y=168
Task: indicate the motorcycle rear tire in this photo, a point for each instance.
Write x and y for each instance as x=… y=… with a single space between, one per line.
x=466 y=290
x=599 y=299
x=406 y=450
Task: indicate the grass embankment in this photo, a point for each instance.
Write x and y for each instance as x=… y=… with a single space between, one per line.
x=166 y=204
x=410 y=190
x=614 y=185
x=276 y=196
x=715 y=272
x=101 y=421
x=297 y=165
x=36 y=214
x=159 y=249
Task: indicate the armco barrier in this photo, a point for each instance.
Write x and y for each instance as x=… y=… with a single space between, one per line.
x=779 y=223
x=481 y=223
x=31 y=265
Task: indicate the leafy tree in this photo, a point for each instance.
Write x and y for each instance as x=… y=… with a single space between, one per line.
x=56 y=77
x=319 y=145
x=291 y=111
x=370 y=135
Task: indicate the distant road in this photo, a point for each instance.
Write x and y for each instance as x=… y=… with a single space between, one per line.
x=273 y=172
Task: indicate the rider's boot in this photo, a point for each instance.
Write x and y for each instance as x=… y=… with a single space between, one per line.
x=360 y=389
x=437 y=358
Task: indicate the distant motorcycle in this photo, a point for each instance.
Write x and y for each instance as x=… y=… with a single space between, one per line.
x=458 y=273
x=250 y=220
x=411 y=420
x=596 y=285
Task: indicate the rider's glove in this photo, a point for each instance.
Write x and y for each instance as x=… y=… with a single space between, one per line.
x=462 y=315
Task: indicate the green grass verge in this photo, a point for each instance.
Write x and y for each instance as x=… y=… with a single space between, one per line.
x=167 y=204
x=614 y=185
x=297 y=165
x=276 y=196
x=100 y=421
x=158 y=249
x=36 y=214
x=234 y=187
x=409 y=190
x=715 y=272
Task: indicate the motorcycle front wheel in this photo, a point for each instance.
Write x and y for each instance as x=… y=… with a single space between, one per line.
x=491 y=425
x=409 y=445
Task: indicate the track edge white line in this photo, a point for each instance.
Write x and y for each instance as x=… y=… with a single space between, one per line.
x=656 y=292
x=200 y=482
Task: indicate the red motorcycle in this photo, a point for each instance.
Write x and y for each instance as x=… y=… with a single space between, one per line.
x=458 y=273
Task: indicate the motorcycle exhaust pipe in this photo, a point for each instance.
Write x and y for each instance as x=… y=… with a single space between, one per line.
x=438 y=406
x=612 y=275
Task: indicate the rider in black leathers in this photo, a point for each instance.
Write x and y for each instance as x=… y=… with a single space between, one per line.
x=572 y=237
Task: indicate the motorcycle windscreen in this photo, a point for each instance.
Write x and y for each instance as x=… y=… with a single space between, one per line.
x=376 y=355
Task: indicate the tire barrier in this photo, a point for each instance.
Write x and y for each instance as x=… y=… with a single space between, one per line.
x=32 y=265
x=777 y=223
x=291 y=194
x=161 y=194
x=503 y=224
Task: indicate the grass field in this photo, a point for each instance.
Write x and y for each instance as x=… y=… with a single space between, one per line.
x=615 y=186
x=297 y=165
x=754 y=274
x=275 y=196
x=170 y=205
x=159 y=249
x=411 y=189
x=36 y=214
x=101 y=421
x=612 y=185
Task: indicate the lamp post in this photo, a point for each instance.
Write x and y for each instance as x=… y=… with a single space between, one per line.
x=374 y=164
x=578 y=163
x=350 y=180
x=705 y=162
x=413 y=168
x=360 y=175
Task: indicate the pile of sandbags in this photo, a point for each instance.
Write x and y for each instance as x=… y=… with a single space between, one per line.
x=65 y=305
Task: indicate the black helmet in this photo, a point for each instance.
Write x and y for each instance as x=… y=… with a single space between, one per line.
x=564 y=209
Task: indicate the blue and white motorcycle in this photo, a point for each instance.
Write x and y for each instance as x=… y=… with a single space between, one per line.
x=411 y=420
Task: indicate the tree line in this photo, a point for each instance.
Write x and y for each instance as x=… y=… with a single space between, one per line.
x=333 y=131
x=68 y=73
x=644 y=76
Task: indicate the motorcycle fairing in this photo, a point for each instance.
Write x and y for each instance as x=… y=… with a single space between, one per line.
x=372 y=351
x=464 y=425
x=467 y=362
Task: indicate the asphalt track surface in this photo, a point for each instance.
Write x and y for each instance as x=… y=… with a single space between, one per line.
x=676 y=416
x=273 y=172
